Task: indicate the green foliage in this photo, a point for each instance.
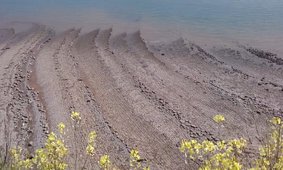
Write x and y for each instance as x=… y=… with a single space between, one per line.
x=228 y=154
x=51 y=156
x=271 y=154
x=17 y=162
x=221 y=155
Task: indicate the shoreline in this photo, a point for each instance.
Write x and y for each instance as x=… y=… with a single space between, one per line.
x=165 y=32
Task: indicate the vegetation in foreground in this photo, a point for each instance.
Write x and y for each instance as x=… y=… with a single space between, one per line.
x=221 y=155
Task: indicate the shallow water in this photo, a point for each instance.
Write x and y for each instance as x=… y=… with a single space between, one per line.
x=240 y=20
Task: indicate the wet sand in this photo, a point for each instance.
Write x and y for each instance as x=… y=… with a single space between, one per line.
x=133 y=93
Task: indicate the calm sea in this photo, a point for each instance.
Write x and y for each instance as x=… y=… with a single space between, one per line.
x=240 y=20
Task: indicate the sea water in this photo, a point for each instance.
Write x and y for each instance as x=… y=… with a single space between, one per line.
x=254 y=20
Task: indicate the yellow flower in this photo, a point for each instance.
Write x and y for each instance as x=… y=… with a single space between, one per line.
x=51 y=137
x=75 y=116
x=219 y=118
x=185 y=145
x=218 y=156
x=91 y=143
x=15 y=153
x=61 y=127
x=104 y=162
x=62 y=166
x=191 y=148
x=238 y=143
x=134 y=159
x=146 y=168
x=276 y=121
x=221 y=145
x=135 y=154
x=91 y=136
x=208 y=146
x=90 y=150
x=26 y=164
